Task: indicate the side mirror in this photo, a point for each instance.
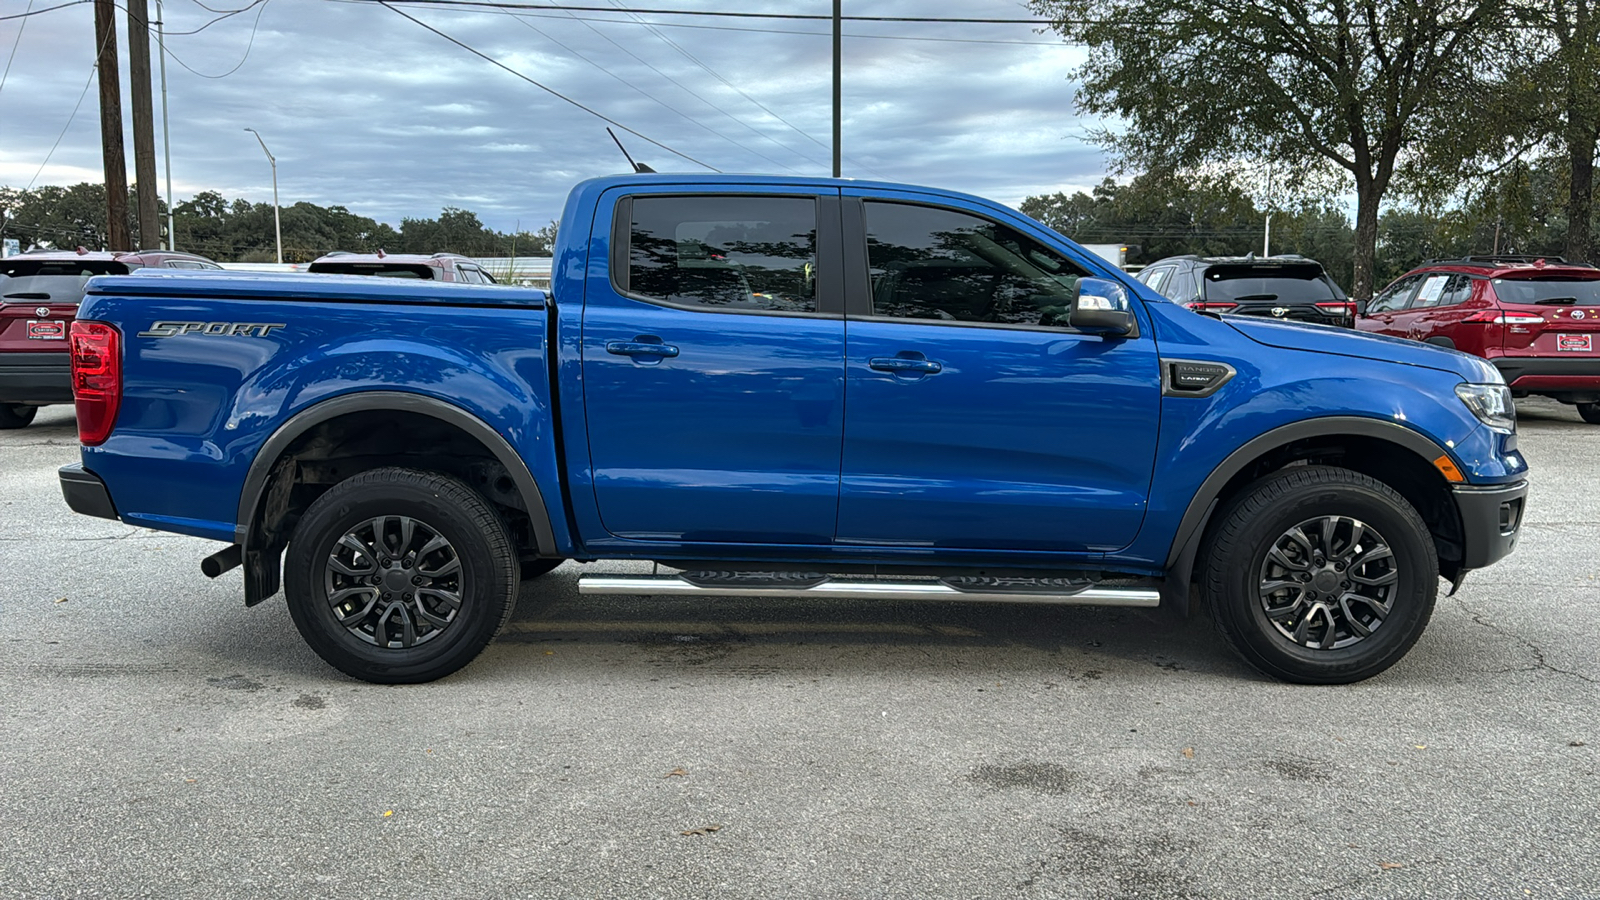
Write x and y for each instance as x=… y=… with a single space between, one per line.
x=1102 y=307
x=1361 y=307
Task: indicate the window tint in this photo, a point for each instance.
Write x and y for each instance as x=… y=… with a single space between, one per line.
x=1155 y=278
x=389 y=270
x=1303 y=284
x=737 y=253
x=1456 y=291
x=56 y=281
x=929 y=263
x=1395 y=296
x=1557 y=291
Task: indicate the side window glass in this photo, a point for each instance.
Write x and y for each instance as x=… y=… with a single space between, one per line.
x=1457 y=292
x=929 y=263
x=1431 y=292
x=469 y=275
x=735 y=253
x=1390 y=299
x=1180 y=286
x=1157 y=278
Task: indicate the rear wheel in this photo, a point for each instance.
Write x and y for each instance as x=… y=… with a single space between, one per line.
x=15 y=415
x=1320 y=575
x=1590 y=412
x=397 y=576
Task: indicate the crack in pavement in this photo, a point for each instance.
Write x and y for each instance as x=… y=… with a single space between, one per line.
x=1535 y=649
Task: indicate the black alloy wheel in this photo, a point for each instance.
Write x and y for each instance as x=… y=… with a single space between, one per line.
x=1320 y=575
x=399 y=576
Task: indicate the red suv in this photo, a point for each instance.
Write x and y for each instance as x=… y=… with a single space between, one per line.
x=1537 y=320
x=39 y=294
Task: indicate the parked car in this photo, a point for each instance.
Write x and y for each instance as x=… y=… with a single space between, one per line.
x=1282 y=287
x=435 y=267
x=1536 y=319
x=791 y=387
x=39 y=294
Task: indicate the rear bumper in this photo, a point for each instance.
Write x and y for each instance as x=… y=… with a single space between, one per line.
x=36 y=377
x=85 y=492
x=1548 y=373
x=1491 y=521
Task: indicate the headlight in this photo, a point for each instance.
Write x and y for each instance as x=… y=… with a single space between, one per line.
x=1491 y=403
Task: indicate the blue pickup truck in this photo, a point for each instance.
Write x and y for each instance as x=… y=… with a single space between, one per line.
x=790 y=387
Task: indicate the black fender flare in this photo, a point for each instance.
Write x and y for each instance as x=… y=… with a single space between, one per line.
x=1186 y=541
x=1441 y=342
x=255 y=481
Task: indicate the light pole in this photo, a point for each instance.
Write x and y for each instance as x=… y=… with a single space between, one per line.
x=166 y=136
x=276 y=223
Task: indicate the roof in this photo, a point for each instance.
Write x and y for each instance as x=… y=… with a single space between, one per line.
x=1499 y=266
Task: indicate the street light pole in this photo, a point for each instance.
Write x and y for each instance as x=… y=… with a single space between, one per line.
x=276 y=222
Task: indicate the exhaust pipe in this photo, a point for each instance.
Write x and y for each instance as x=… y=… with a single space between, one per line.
x=222 y=560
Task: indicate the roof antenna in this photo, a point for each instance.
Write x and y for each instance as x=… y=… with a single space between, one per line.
x=637 y=166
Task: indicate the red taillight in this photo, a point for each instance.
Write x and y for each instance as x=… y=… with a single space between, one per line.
x=1338 y=308
x=96 y=379
x=1210 y=306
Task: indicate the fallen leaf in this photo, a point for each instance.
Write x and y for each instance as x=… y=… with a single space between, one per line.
x=190 y=780
x=704 y=829
x=1191 y=803
x=61 y=599
x=1390 y=866
x=676 y=773
x=1576 y=744
x=1420 y=746
x=1188 y=753
x=387 y=813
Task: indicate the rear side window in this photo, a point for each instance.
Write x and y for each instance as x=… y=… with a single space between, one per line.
x=385 y=270
x=1556 y=291
x=930 y=263
x=51 y=281
x=752 y=254
x=1288 y=283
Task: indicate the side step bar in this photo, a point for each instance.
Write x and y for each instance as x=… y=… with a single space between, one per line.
x=673 y=586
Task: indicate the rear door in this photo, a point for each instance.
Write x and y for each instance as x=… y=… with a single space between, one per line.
x=1551 y=315
x=974 y=417
x=713 y=365
x=1383 y=309
x=39 y=297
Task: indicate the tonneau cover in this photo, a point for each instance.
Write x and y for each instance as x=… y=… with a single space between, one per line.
x=330 y=288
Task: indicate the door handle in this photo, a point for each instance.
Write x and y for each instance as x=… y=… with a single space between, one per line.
x=901 y=364
x=643 y=345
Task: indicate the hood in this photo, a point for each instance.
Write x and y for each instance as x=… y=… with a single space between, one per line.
x=1348 y=342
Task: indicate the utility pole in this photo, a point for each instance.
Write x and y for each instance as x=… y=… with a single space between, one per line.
x=105 y=36
x=166 y=136
x=144 y=128
x=838 y=44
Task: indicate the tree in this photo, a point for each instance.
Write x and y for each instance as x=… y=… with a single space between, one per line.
x=1560 y=95
x=1356 y=89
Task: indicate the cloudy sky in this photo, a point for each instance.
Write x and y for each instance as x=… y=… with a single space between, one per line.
x=367 y=109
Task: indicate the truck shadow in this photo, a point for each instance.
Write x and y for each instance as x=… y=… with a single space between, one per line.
x=741 y=637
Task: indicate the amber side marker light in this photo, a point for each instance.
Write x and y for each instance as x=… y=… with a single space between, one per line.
x=1448 y=470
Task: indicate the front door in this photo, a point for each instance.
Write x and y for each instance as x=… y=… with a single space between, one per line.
x=974 y=416
x=713 y=368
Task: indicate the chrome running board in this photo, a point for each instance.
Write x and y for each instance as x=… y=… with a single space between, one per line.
x=830 y=589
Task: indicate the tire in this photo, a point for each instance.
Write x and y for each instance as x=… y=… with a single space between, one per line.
x=1590 y=412
x=1330 y=628
x=457 y=550
x=534 y=566
x=15 y=415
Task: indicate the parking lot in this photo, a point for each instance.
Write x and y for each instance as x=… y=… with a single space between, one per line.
x=160 y=740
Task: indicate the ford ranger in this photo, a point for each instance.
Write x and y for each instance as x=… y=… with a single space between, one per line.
x=790 y=387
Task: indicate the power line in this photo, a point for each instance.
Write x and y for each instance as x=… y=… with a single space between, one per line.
x=262 y=4
x=17 y=43
x=642 y=91
x=501 y=4
x=601 y=116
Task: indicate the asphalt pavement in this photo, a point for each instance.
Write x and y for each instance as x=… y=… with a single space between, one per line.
x=159 y=740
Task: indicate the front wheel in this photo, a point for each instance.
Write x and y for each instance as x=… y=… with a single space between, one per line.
x=397 y=576
x=15 y=415
x=1320 y=575
x=1590 y=412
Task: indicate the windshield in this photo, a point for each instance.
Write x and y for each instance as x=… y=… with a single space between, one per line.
x=51 y=281
x=387 y=270
x=1577 y=291
x=1303 y=284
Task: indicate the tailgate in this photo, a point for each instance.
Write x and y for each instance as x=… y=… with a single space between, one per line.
x=1557 y=316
